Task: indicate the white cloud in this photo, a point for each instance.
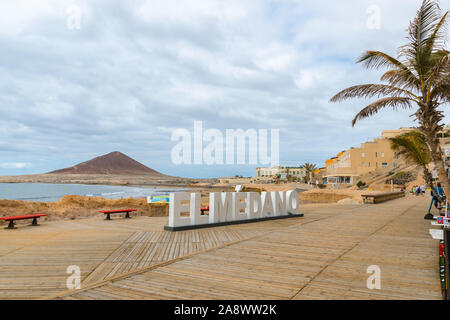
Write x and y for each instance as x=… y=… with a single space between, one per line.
x=138 y=69
x=14 y=165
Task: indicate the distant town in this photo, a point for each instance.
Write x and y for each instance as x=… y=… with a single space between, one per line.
x=347 y=168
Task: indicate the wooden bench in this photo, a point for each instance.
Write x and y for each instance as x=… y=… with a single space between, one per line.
x=24 y=217
x=127 y=211
x=382 y=196
x=204 y=209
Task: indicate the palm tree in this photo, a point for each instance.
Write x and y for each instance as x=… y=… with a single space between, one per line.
x=412 y=146
x=419 y=79
x=309 y=168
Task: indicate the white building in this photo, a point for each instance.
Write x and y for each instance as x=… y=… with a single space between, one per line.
x=282 y=172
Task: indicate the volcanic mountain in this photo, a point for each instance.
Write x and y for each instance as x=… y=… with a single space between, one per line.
x=114 y=163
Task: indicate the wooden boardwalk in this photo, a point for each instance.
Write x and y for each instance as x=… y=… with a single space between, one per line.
x=322 y=256
x=144 y=249
x=34 y=260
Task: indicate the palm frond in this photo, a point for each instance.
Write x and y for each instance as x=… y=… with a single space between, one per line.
x=309 y=167
x=402 y=79
x=442 y=92
x=412 y=146
x=422 y=35
x=369 y=91
x=378 y=59
x=440 y=71
x=390 y=102
x=436 y=40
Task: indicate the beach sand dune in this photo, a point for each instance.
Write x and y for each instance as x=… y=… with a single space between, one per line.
x=73 y=207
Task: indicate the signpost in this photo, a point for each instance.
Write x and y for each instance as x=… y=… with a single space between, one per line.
x=227 y=208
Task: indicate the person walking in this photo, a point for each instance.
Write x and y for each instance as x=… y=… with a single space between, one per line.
x=422 y=189
x=417 y=190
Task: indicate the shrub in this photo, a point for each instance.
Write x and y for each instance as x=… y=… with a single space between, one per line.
x=360 y=184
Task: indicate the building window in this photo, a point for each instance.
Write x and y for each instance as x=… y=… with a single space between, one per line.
x=369 y=164
x=382 y=154
x=363 y=154
x=376 y=154
x=363 y=164
x=384 y=164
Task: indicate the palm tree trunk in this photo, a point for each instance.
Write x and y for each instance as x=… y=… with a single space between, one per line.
x=428 y=177
x=436 y=155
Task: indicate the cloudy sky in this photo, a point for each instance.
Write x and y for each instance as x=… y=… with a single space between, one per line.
x=134 y=71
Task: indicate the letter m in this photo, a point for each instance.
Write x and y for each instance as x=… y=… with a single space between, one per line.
x=240 y=136
x=220 y=205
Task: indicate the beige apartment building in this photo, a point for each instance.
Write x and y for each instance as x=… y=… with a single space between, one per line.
x=386 y=134
x=282 y=172
x=444 y=141
x=348 y=165
x=375 y=155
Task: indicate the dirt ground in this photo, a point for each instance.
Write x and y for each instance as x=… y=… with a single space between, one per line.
x=73 y=207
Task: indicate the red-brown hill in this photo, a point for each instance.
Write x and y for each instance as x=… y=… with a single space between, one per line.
x=114 y=163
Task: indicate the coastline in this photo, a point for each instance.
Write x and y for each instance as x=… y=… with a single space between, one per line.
x=99 y=179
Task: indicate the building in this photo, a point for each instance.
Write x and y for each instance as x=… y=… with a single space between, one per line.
x=284 y=173
x=444 y=141
x=445 y=146
x=372 y=156
x=234 y=180
x=386 y=134
x=348 y=165
x=318 y=175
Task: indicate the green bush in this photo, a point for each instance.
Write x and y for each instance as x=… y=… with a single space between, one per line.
x=360 y=184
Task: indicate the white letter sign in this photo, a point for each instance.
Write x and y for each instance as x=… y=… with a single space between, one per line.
x=230 y=207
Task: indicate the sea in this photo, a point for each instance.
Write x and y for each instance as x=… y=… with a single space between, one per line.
x=47 y=192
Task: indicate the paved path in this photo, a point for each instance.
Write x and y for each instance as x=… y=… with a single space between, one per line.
x=324 y=255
